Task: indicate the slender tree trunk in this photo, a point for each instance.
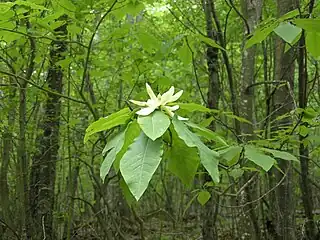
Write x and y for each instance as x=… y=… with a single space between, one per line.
x=43 y=171
x=22 y=164
x=211 y=208
x=4 y=170
x=306 y=190
x=283 y=103
x=251 y=11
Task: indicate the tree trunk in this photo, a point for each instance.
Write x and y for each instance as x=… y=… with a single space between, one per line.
x=210 y=210
x=251 y=11
x=306 y=190
x=43 y=171
x=283 y=103
x=4 y=170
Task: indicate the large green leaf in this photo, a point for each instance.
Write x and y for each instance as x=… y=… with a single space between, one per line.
x=155 y=124
x=287 y=31
x=183 y=160
x=106 y=123
x=185 y=54
x=209 y=158
x=113 y=146
x=210 y=42
x=140 y=162
x=193 y=107
x=207 y=133
x=132 y=132
x=310 y=25
x=259 y=158
x=289 y=15
x=261 y=34
x=280 y=154
x=312 y=43
x=231 y=154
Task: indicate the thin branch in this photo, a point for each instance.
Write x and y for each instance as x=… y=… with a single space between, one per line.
x=86 y=64
x=195 y=72
x=241 y=16
x=42 y=88
x=34 y=36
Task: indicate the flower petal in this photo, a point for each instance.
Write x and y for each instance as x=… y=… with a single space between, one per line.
x=150 y=92
x=176 y=96
x=168 y=111
x=182 y=118
x=173 y=108
x=145 y=111
x=139 y=103
x=153 y=103
x=165 y=98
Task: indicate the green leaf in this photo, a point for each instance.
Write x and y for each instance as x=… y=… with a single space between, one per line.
x=261 y=34
x=30 y=4
x=256 y=156
x=287 y=32
x=231 y=154
x=208 y=134
x=139 y=163
x=185 y=54
x=312 y=43
x=209 y=158
x=114 y=146
x=203 y=197
x=183 y=160
x=303 y=130
x=132 y=132
x=155 y=124
x=289 y=15
x=126 y=193
x=310 y=25
x=106 y=123
x=236 y=173
x=280 y=154
x=149 y=42
x=193 y=107
x=210 y=42
x=133 y=7
x=240 y=119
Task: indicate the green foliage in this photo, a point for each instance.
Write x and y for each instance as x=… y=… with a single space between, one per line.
x=203 y=197
x=106 y=123
x=155 y=124
x=208 y=157
x=183 y=160
x=258 y=157
x=114 y=146
x=140 y=162
x=287 y=32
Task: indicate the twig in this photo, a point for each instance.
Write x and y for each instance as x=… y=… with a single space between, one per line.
x=41 y=88
x=86 y=64
x=195 y=72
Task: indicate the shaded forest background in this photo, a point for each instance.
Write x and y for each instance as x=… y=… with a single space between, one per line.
x=65 y=64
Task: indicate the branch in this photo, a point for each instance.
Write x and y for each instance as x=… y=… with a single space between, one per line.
x=42 y=88
x=195 y=72
x=91 y=42
x=45 y=37
x=241 y=16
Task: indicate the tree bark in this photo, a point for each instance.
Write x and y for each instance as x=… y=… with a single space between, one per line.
x=251 y=11
x=306 y=190
x=210 y=210
x=283 y=103
x=43 y=171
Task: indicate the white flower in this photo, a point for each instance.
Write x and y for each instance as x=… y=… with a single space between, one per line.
x=160 y=101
